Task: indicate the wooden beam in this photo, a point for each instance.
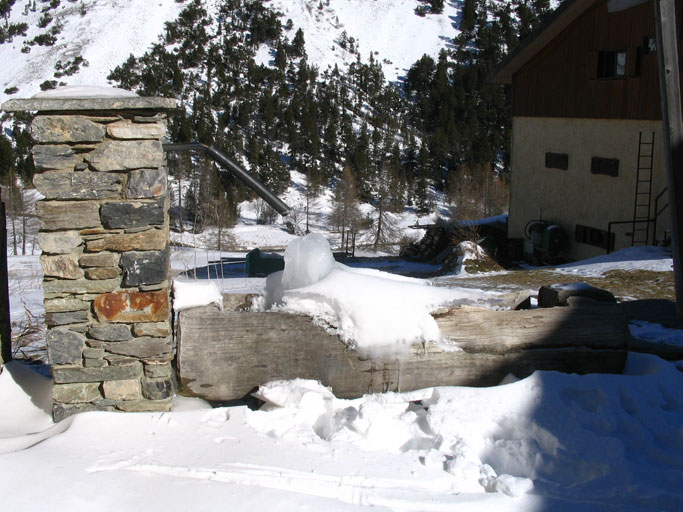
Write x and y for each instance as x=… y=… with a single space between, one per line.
x=670 y=90
x=225 y=355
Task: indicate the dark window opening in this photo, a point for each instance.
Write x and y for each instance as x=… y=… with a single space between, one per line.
x=606 y=166
x=612 y=64
x=595 y=237
x=649 y=45
x=557 y=161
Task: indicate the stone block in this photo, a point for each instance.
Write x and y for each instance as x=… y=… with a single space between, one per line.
x=59 y=242
x=78 y=185
x=55 y=157
x=146 y=184
x=150 y=240
x=110 y=332
x=93 y=353
x=158 y=370
x=146 y=405
x=66 y=304
x=94 y=362
x=76 y=393
x=125 y=129
x=66 y=129
x=70 y=374
x=133 y=214
x=102 y=259
x=64 y=346
x=153 y=329
x=140 y=347
x=144 y=268
x=62 y=411
x=132 y=306
x=80 y=286
x=68 y=215
x=64 y=266
x=114 y=155
x=66 y=318
x=102 y=272
x=122 y=389
x=157 y=389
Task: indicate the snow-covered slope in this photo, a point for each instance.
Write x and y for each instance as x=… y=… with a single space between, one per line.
x=389 y=29
x=108 y=32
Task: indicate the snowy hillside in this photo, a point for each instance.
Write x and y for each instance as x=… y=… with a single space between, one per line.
x=105 y=32
x=389 y=29
x=102 y=32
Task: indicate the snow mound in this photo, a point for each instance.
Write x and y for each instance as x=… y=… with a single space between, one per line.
x=192 y=294
x=370 y=310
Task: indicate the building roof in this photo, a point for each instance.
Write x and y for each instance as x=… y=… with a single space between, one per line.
x=559 y=20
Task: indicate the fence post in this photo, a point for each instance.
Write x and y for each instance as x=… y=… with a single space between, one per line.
x=5 y=329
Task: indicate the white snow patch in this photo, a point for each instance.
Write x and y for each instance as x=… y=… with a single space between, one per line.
x=192 y=294
x=85 y=91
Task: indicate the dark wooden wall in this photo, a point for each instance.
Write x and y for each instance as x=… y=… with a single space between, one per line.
x=561 y=81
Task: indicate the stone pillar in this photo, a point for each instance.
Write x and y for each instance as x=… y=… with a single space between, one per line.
x=104 y=233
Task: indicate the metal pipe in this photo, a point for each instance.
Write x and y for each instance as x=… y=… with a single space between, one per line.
x=230 y=165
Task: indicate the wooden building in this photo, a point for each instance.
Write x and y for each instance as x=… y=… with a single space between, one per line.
x=587 y=146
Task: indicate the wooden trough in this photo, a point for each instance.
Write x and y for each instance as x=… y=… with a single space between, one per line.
x=225 y=355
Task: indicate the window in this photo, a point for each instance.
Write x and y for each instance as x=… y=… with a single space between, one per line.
x=649 y=45
x=595 y=237
x=557 y=161
x=606 y=166
x=612 y=64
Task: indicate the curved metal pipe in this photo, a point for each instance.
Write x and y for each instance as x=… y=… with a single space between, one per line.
x=237 y=170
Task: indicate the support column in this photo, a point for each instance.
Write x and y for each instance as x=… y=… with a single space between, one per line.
x=104 y=233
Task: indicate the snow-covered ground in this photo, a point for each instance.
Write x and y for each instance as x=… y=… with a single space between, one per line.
x=548 y=442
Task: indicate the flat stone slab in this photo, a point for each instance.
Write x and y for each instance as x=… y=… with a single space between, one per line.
x=75 y=104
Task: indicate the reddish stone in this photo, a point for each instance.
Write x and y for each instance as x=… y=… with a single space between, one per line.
x=132 y=306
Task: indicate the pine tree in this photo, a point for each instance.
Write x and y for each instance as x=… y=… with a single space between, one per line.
x=345 y=214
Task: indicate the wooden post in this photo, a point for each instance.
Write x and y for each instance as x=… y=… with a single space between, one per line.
x=5 y=329
x=669 y=83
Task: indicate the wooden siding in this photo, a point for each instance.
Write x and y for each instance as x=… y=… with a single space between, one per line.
x=561 y=80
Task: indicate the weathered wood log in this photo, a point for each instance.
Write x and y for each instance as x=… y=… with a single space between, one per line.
x=224 y=355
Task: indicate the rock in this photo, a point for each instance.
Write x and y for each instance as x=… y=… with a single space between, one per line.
x=144 y=268
x=140 y=347
x=122 y=389
x=150 y=240
x=76 y=393
x=154 y=330
x=93 y=353
x=103 y=259
x=158 y=370
x=62 y=411
x=66 y=318
x=64 y=266
x=102 y=273
x=146 y=405
x=126 y=129
x=157 y=389
x=66 y=304
x=70 y=374
x=80 y=286
x=557 y=294
x=66 y=129
x=94 y=362
x=132 y=214
x=68 y=215
x=114 y=155
x=59 y=242
x=64 y=346
x=78 y=185
x=146 y=183
x=132 y=306
x=110 y=332
x=55 y=157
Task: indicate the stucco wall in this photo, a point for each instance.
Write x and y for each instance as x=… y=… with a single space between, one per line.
x=576 y=196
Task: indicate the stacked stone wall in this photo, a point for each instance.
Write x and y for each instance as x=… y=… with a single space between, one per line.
x=104 y=233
